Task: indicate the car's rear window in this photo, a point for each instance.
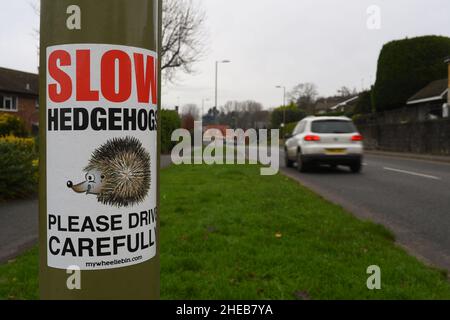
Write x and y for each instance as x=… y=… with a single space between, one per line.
x=333 y=126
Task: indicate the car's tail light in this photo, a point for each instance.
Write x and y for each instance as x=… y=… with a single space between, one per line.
x=357 y=137
x=312 y=138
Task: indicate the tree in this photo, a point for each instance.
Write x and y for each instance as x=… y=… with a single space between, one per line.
x=243 y=114
x=183 y=36
x=346 y=92
x=192 y=110
x=170 y=121
x=292 y=112
x=304 y=95
x=364 y=103
x=406 y=66
x=211 y=117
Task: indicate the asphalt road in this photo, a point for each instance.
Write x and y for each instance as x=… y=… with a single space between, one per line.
x=410 y=197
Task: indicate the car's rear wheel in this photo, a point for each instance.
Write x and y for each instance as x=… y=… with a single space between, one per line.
x=356 y=167
x=302 y=166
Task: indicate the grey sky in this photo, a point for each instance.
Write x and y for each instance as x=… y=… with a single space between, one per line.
x=270 y=42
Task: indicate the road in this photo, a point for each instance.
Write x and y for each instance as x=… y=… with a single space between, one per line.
x=410 y=197
x=19 y=224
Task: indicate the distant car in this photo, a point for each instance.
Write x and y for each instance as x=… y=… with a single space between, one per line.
x=325 y=140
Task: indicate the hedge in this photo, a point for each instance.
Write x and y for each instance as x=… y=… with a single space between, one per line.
x=364 y=103
x=293 y=114
x=170 y=121
x=406 y=66
x=18 y=167
x=12 y=125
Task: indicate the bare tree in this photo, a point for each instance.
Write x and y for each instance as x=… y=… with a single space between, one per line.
x=303 y=91
x=183 y=35
x=346 y=91
x=304 y=95
x=243 y=114
x=192 y=110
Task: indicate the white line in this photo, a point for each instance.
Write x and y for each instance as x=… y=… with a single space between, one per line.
x=412 y=173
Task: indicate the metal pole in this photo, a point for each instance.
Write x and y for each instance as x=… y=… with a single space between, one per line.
x=217 y=69
x=284 y=105
x=99 y=78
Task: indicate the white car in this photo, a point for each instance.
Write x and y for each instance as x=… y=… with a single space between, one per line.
x=325 y=140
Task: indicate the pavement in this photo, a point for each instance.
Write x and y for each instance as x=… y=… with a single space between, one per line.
x=19 y=224
x=18 y=227
x=410 y=197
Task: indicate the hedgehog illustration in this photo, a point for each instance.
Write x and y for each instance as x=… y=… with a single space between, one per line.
x=118 y=173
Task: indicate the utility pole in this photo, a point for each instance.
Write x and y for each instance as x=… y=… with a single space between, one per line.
x=98 y=241
x=217 y=77
x=284 y=103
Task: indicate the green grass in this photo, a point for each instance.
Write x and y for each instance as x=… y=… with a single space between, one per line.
x=228 y=233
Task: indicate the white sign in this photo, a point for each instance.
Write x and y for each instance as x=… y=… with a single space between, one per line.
x=101 y=156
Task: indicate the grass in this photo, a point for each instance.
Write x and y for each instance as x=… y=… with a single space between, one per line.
x=228 y=233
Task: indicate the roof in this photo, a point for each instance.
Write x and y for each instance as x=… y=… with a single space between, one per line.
x=435 y=90
x=326 y=103
x=332 y=103
x=346 y=102
x=19 y=82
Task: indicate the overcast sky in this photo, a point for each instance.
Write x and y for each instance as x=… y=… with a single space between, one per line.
x=270 y=42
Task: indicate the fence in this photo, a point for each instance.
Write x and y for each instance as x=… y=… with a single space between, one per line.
x=426 y=137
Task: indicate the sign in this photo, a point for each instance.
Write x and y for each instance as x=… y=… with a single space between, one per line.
x=101 y=156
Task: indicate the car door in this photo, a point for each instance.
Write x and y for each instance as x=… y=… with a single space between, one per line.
x=292 y=143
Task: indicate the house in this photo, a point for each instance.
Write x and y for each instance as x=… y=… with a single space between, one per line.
x=431 y=101
x=348 y=105
x=19 y=95
x=335 y=104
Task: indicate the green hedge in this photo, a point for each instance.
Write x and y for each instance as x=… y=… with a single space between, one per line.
x=170 y=121
x=293 y=114
x=364 y=103
x=288 y=129
x=18 y=167
x=406 y=66
x=12 y=125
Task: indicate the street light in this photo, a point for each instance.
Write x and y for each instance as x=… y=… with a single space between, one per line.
x=284 y=103
x=217 y=71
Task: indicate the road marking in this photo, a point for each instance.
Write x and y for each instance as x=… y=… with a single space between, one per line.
x=412 y=173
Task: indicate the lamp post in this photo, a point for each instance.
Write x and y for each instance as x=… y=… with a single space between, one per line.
x=217 y=71
x=284 y=103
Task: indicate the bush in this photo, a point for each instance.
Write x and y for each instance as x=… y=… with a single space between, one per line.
x=293 y=114
x=18 y=167
x=12 y=125
x=288 y=129
x=364 y=103
x=406 y=66
x=170 y=121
